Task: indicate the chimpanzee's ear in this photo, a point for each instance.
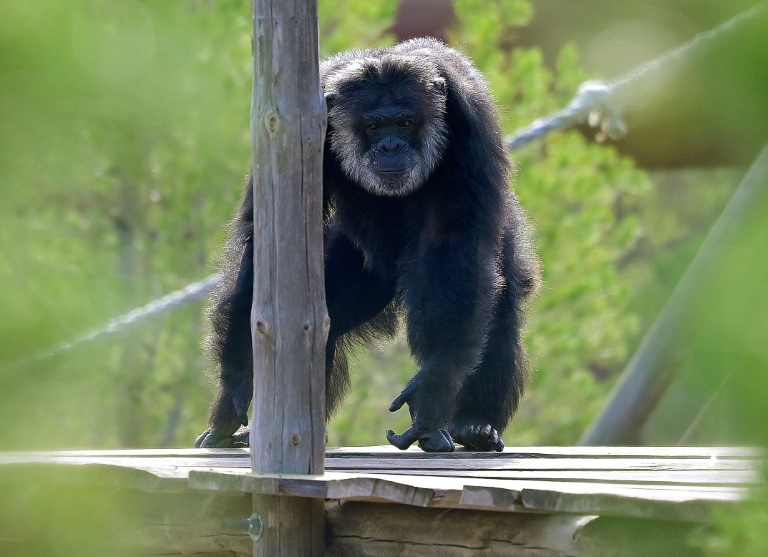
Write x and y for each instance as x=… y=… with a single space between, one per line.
x=439 y=85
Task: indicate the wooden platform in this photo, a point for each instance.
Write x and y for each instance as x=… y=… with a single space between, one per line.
x=540 y=500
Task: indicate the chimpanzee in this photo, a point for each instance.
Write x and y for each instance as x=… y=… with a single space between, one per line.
x=420 y=223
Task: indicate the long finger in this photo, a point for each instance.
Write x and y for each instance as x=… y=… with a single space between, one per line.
x=200 y=438
x=404 y=440
x=402 y=398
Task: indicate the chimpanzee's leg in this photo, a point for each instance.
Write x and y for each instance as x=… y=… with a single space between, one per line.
x=230 y=336
x=231 y=345
x=490 y=395
x=448 y=285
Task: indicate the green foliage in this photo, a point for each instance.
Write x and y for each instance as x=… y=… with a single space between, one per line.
x=117 y=198
x=741 y=531
x=122 y=156
x=582 y=321
x=346 y=24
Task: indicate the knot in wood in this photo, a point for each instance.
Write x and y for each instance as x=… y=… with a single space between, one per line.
x=261 y=327
x=295 y=439
x=307 y=328
x=271 y=122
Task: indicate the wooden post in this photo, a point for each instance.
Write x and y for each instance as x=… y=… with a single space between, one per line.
x=289 y=321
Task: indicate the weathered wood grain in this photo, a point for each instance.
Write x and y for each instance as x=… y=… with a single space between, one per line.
x=557 y=452
x=474 y=480
x=513 y=463
x=617 y=485
x=289 y=320
x=368 y=530
x=670 y=502
x=84 y=519
x=436 y=466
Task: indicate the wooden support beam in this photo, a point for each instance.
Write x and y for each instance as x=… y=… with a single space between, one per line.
x=368 y=529
x=53 y=516
x=289 y=321
x=654 y=365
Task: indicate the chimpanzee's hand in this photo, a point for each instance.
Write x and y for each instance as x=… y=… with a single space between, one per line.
x=435 y=441
x=214 y=438
x=426 y=429
x=229 y=413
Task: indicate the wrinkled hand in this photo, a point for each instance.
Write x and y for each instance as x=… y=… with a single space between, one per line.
x=217 y=438
x=430 y=439
x=435 y=441
x=230 y=412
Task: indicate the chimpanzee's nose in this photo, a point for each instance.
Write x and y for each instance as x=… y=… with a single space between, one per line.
x=391 y=144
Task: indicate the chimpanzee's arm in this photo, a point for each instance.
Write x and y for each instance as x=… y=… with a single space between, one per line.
x=230 y=336
x=448 y=295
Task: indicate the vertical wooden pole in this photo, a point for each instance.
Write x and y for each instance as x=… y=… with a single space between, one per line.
x=289 y=321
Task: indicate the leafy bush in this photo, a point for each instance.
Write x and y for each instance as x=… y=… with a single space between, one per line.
x=120 y=183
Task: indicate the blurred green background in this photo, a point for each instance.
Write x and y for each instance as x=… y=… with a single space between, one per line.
x=124 y=141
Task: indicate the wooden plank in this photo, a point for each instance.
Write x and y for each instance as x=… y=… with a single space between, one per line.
x=691 y=471
x=633 y=500
x=668 y=488
x=658 y=471
x=333 y=483
x=415 y=453
x=422 y=491
x=694 y=478
x=437 y=464
x=669 y=503
x=557 y=452
x=159 y=480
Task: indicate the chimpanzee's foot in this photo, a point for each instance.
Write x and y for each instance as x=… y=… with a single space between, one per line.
x=214 y=438
x=476 y=437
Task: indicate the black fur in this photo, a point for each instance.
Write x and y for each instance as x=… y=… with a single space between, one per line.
x=419 y=221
